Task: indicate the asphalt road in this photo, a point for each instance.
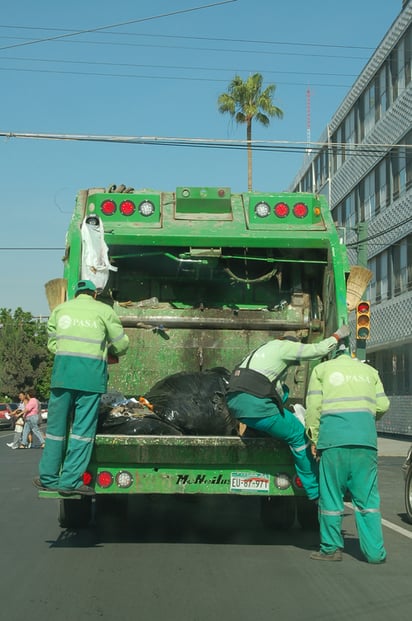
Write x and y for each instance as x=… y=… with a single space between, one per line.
x=178 y=559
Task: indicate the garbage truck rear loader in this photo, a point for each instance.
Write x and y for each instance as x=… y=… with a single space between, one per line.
x=200 y=277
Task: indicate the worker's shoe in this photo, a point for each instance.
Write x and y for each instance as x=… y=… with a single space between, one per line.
x=320 y=556
x=83 y=490
x=37 y=483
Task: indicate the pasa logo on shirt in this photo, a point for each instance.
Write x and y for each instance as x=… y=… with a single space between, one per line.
x=65 y=322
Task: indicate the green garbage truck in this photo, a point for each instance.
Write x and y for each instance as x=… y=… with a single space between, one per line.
x=201 y=276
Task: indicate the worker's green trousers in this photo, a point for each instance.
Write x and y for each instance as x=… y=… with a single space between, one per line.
x=60 y=468
x=267 y=418
x=352 y=468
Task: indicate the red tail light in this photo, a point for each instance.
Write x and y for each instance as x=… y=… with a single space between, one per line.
x=281 y=210
x=127 y=208
x=105 y=479
x=300 y=210
x=108 y=208
x=87 y=478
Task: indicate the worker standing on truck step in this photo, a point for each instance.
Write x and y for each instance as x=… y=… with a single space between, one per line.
x=81 y=334
x=254 y=397
x=345 y=397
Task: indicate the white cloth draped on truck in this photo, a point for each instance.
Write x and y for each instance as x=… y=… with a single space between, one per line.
x=95 y=259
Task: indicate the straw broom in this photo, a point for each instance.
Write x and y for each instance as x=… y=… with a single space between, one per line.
x=358 y=280
x=55 y=292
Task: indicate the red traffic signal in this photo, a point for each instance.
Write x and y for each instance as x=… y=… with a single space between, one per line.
x=363 y=320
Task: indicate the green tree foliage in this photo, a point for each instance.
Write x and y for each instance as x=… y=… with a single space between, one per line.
x=245 y=101
x=25 y=359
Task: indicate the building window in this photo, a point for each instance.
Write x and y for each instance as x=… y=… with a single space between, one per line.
x=398 y=160
x=381 y=87
x=395 y=369
x=408 y=54
x=367 y=111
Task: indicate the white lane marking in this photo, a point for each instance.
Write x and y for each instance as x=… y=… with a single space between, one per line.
x=397 y=529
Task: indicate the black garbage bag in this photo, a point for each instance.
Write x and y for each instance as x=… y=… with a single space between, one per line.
x=194 y=402
x=134 y=419
x=149 y=425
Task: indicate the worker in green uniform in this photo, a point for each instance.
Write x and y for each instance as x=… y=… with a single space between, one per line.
x=345 y=397
x=255 y=397
x=81 y=333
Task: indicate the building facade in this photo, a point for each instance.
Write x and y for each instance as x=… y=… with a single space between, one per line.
x=363 y=165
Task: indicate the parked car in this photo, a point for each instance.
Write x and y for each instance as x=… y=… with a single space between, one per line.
x=407 y=473
x=6 y=418
x=44 y=409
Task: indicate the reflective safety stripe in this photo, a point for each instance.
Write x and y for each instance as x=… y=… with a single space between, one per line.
x=331 y=513
x=300 y=448
x=118 y=338
x=349 y=411
x=363 y=511
x=314 y=392
x=346 y=399
x=79 y=355
x=49 y=436
x=68 y=337
x=81 y=438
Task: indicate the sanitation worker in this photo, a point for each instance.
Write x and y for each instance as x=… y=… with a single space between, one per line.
x=255 y=396
x=81 y=333
x=345 y=397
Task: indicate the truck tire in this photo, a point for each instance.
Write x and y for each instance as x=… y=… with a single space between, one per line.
x=408 y=494
x=278 y=512
x=307 y=513
x=75 y=513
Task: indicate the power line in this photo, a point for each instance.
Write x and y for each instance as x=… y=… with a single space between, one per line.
x=132 y=21
x=208 y=49
x=194 y=68
x=200 y=38
x=157 y=77
x=216 y=143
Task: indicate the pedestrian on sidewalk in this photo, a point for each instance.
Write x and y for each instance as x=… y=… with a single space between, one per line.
x=31 y=422
x=18 y=416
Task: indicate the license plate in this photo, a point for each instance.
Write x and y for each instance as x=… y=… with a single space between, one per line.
x=249 y=482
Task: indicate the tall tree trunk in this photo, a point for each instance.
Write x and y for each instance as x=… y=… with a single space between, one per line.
x=249 y=154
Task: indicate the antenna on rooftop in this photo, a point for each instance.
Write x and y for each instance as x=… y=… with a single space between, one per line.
x=308 y=137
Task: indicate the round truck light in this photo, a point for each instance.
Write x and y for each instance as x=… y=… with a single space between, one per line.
x=127 y=208
x=108 y=208
x=297 y=482
x=300 y=210
x=281 y=210
x=262 y=209
x=105 y=479
x=87 y=478
x=146 y=208
x=282 y=480
x=124 y=479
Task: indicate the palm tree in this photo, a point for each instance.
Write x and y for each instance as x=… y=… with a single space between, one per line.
x=246 y=101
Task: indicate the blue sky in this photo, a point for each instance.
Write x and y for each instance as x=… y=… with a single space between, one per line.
x=158 y=74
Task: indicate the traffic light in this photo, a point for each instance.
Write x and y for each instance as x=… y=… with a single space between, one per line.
x=363 y=320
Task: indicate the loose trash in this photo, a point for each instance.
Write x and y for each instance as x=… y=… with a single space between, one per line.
x=179 y=404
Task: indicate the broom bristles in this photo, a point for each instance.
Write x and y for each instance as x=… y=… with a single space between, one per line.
x=55 y=292
x=357 y=282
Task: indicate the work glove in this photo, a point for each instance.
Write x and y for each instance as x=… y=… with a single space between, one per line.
x=342 y=332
